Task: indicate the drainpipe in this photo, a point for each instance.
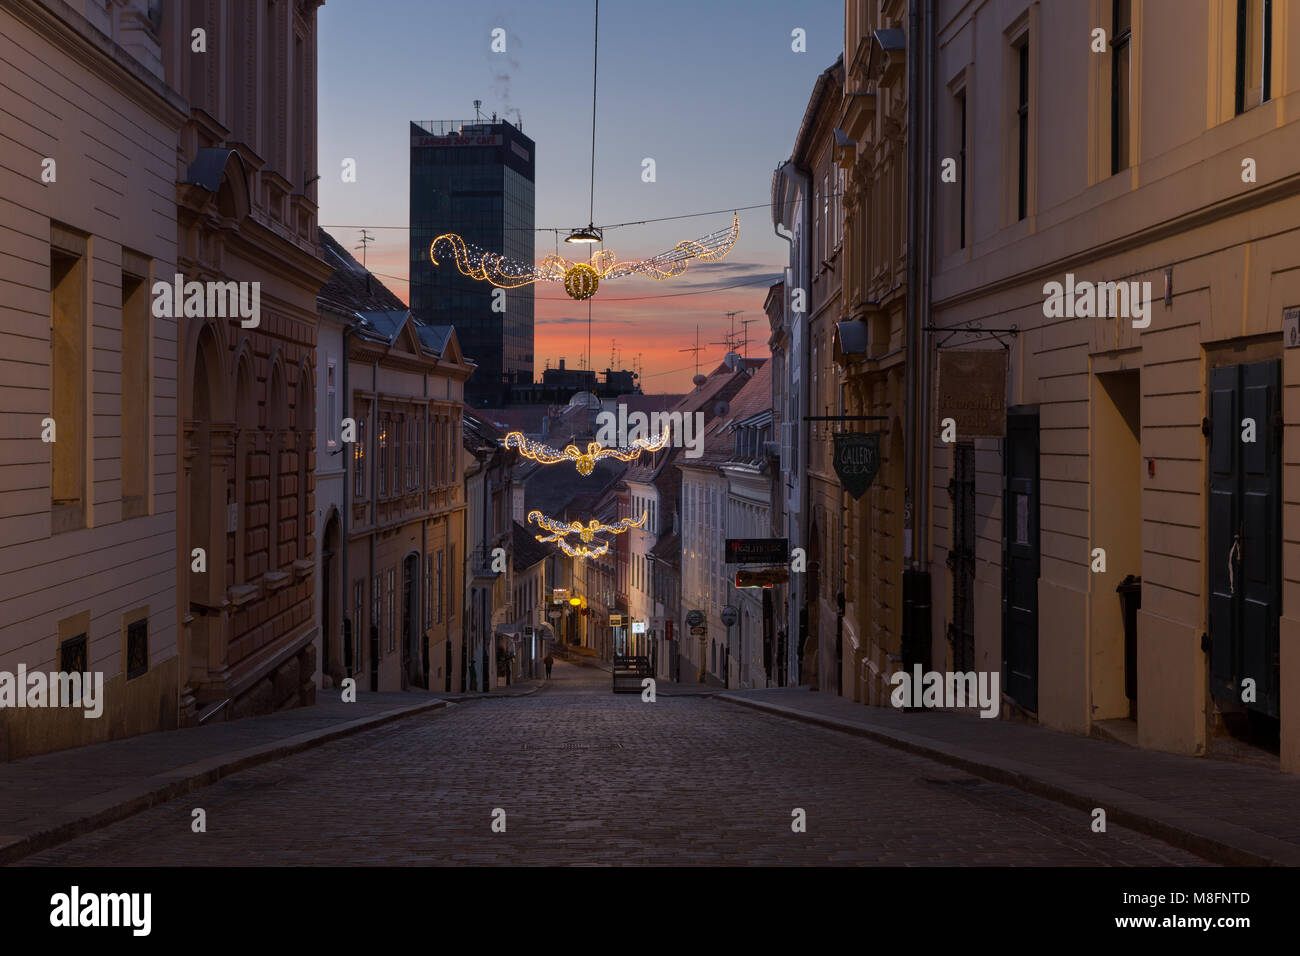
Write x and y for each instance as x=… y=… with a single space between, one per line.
x=916 y=636
x=925 y=447
x=801 y=180
x=374 y=477
x=349 y=651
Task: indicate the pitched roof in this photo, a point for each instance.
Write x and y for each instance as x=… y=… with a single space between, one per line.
x=721 y=386
x=527 y=549
x=352 y=287
x=753 y=398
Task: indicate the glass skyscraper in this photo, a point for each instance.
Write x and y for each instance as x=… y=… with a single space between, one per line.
x=475 y=178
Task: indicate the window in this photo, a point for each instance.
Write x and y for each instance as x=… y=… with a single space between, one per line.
x=392 y=610
x=359 y=460
x=961 y=169
x=438 y=616
x=434 y=453
x=137 y=648
x=451 y=581
x=418 y=427
x=383 y=457
x=428 y=590
x=331 y=404
x=1022 y=133
x=358 y=612
x=400 y=445
x=1121 y=62
x=826 y=215
x=377 y=606
x=1254 y=53
x=136 y=375
x=68 y=379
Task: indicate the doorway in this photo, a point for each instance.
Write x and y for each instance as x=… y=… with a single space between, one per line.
x=1245 y=557
x=1020 y=558
x=961 y=557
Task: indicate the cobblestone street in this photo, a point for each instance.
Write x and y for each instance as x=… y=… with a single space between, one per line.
x=585 y=776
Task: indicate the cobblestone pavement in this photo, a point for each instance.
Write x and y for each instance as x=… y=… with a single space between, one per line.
x=585 y=776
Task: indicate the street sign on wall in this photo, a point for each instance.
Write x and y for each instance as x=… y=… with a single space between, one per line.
x=857 y=459
x=973 y=392
x=757 y=550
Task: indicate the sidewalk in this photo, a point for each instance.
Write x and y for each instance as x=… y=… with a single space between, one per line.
x=53 y=797
x=1227 y=812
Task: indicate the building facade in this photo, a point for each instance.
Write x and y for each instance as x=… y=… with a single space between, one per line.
x=1166 y=164
x=88 y=454
x=475 y=178
x=406 y=527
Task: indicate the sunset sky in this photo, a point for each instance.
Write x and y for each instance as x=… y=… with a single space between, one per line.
x=710 y=89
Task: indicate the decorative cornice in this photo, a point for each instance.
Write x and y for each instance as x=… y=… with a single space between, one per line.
x=69 y=31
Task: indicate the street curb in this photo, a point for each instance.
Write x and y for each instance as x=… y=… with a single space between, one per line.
x=115 y=805
x=1214 y=840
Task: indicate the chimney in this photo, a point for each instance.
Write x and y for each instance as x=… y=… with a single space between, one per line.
x=561 y=365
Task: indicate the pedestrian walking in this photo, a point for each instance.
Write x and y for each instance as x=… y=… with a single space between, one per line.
x=548 y=661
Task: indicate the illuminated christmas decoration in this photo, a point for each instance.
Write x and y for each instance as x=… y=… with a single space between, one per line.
x=560 y=530
x=581 y=279
x=585 y=461
x=581 y=551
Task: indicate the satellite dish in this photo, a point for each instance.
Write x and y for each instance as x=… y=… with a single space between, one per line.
x=732 y=360
x=699 y=380
x=721 y=409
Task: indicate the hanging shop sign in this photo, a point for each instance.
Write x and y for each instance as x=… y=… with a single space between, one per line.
x=973 y=393
x=638 y=627
x=695 y=619
x=699 y=630
x=729 y=615
x=857 y=460
x=616 y=620
x=757 y=550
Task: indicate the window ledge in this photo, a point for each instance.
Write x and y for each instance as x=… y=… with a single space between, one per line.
x=242 y=594
x=276 y=579
x=302 y=567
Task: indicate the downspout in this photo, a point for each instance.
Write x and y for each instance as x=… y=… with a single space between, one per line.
x=911 y=281
x=349 y=648
x=914 y=646
x=802 y=181
x=426 y=613
x=375 y=599
x=925 y=447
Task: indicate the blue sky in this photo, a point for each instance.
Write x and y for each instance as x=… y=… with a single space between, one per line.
x=710 y=90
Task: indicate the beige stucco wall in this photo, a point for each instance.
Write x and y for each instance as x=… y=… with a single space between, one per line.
x=1233 y=249
x=111 y=129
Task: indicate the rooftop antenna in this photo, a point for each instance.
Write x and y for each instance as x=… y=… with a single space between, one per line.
x=745 y=335
x=612 y=344
x=697 y=350
x=477 y=104
x=366 y=239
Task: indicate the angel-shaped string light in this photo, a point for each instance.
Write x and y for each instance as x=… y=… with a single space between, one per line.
x=581 y=279
x=560 y=530
x=585 y=461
